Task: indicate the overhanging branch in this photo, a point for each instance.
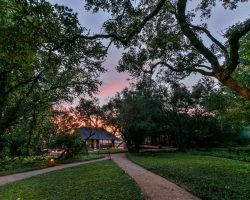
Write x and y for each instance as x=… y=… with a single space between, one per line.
x=123 y=40
x=213 y=39
x=189 y=33
x=201 y=71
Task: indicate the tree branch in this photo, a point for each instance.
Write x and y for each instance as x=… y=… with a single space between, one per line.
x=144 y=21
x=234 y=45
x=188 y=32
x=123 y=40
x=213 y=39
x=206 y=73
x=206 y=67
x=18 y=85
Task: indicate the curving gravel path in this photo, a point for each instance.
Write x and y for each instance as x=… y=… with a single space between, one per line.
x=153 y=187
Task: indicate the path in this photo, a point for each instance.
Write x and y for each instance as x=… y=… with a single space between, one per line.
x=19 y=176
x=153 y=187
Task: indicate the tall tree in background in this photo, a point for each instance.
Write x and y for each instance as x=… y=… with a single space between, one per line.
x=65 y=120
x=166 y=38
x=138 y=111
x=89 y=112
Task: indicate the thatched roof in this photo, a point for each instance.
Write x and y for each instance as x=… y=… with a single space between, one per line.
x=94 y=133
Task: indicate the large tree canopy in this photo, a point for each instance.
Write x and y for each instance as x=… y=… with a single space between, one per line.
x=41 y=61
x=167 y=38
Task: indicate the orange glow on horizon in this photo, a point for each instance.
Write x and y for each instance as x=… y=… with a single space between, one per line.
x=68 y=121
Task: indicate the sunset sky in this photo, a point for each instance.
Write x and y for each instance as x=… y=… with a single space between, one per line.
x=113 y=81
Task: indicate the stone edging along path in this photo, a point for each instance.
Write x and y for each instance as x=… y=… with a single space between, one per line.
x=19 y=176
x=153 y=187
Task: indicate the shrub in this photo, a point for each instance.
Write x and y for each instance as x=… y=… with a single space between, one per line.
x=14 y=144
x=71 y=143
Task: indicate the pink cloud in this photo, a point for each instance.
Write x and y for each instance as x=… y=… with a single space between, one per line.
x=110 y=88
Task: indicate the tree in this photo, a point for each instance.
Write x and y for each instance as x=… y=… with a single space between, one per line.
x=204 y=116
x=138 y=112
x=29 y=136
x=70 y=143
x=89 y=112
x=65 y=120
x=165 y=37
x=188 y=121
x=41 y=62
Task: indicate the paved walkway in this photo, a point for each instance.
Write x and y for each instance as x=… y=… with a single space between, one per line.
x=16 y=177
x=153 y=187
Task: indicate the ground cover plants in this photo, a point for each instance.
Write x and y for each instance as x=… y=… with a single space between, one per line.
x=14 y=164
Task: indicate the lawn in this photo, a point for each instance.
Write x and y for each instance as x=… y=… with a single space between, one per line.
x=110 y=151
x=11 y=165
x=103 y=180
x=208 y=177
x=235 y=153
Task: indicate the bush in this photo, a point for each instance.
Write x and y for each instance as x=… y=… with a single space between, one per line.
x=14 y=144
x=71 y=143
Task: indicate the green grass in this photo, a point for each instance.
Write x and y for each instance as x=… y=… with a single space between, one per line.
x=239 y=148
x=240 y=155
x=11 y=165
x=103 y=180
x=206 y=176
x=78 y=158
x=111 y=151
x=235 y=153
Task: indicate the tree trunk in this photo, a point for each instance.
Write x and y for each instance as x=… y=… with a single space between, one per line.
x=30 y=133
x=85 y=146
x=241 y=89
x=137 y=147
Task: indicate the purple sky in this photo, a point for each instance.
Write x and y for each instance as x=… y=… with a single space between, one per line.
x=114 y=81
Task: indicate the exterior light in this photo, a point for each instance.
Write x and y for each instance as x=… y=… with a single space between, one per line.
x=52 y=161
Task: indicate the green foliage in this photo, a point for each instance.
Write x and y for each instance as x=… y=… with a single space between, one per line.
x=43 y=61
x=197 y=117
x=89 y=111
x=12 y=164
x=226 y=104
x=102 y=180
x=70 y=142
x=206 y=176
x=166 y=38
x=27 y=138
x=186 y=120
x=14 y=143
x=205 y=115
x=138 y=111
x=245 y=46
